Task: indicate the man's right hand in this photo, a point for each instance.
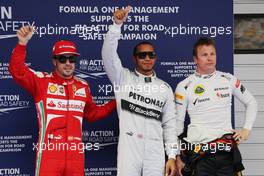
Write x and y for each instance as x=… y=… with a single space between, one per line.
x=24 y=34
x=120 y=15
x=180 y=165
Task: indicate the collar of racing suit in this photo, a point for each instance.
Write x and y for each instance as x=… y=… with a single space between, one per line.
x=62 y=80
x=204 y=76
x=145 y=78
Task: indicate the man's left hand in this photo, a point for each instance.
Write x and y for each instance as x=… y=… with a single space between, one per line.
x=241 y=135
x=170 y=167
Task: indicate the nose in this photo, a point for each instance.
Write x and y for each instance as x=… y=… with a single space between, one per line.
x=68 y=62
x=147 y=57
x=209 y=58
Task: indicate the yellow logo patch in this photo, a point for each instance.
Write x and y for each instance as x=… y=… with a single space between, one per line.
x=52 y=88
x=197 y=148
x=199 y=89
x=179 y=96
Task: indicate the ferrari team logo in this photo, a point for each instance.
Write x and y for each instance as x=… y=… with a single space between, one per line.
x=74 y=88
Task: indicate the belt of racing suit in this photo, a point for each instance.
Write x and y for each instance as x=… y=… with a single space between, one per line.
x=197 y=151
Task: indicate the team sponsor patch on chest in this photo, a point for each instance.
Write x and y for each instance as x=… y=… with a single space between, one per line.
x=221 y=88
x=55 y=89
x=146 y=99
x=140 y=110
x=199 y=89
x=65 y=105
x=80 y=92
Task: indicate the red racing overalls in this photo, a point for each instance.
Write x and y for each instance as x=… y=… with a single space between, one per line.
x=61 y=106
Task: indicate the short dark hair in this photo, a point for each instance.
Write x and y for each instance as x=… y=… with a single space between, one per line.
x=203 y=41
x=141 y=43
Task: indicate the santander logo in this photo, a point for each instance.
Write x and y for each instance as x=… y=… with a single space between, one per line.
x=70 y=106
x=51 y=104
x=65 y=105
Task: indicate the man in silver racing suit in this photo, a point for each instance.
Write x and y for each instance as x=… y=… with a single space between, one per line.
x=145 y=106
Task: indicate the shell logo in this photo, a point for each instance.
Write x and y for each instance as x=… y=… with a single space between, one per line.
x=52 y=88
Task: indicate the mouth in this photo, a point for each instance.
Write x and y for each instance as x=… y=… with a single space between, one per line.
x=67 y=68
x=147 y=63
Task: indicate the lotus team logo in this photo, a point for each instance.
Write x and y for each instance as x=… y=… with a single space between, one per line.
x=10 y=103
x=90 y=68
x=199 y=89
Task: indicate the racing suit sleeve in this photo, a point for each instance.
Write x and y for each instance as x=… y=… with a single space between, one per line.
x=112 y=63
x=93 y=112
x=21 y=73
x=169 y=126
x=244 y=96
x=181 y=100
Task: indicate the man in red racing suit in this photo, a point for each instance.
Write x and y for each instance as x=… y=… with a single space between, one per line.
x=62 y=101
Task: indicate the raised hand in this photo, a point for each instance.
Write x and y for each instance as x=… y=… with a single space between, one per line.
x=120 y=15
x=24 y=34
